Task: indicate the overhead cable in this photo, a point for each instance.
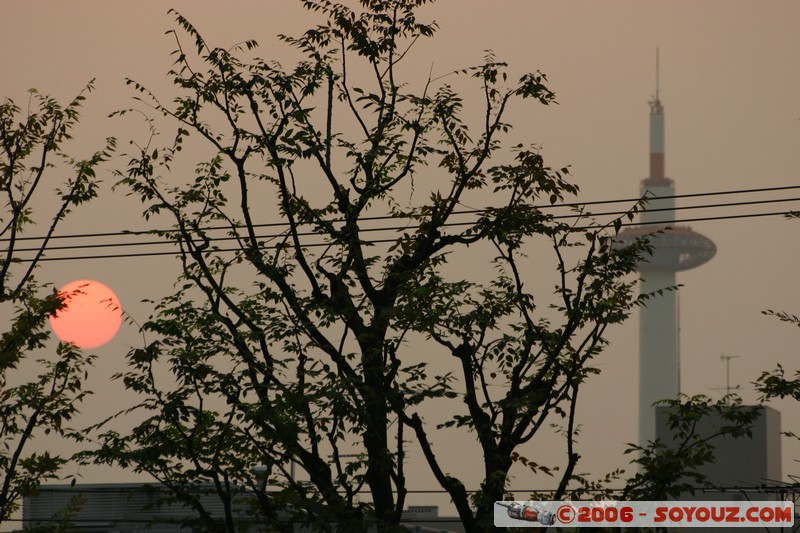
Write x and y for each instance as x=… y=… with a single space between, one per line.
x=393 y=240
x=460 y=212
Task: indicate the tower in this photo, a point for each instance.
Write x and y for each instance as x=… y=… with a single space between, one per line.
x=675 y=248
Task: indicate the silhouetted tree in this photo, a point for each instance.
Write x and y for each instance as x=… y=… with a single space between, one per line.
x=291 y=344
x=31 y=152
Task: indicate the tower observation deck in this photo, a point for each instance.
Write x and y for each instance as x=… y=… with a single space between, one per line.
x=675 y=248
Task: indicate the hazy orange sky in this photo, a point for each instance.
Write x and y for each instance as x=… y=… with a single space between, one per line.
x=730 y=84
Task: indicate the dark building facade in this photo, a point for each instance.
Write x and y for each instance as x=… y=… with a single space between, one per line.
x=142 y=508
x=741 y=465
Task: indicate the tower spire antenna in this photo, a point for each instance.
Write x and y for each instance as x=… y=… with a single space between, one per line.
x=655 y=103
x=657 y=72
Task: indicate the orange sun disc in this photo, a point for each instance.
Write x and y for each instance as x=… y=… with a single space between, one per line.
x=92 y=316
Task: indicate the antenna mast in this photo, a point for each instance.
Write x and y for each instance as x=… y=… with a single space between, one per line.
x=655 y=104
x=657 y=72
x=727 y=359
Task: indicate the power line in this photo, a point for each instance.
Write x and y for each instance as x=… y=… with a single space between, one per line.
x=383 y=241
x=283 y=234
x=458 y=212
x=399 y=228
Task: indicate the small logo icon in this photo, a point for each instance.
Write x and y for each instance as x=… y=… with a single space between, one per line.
x=528 y=513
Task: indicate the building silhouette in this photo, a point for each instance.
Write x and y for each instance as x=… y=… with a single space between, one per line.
x=149 y=508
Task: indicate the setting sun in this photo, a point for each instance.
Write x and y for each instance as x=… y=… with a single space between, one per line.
x=92 y=316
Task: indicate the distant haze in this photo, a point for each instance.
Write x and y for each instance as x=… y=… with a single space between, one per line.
x=729 y=84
